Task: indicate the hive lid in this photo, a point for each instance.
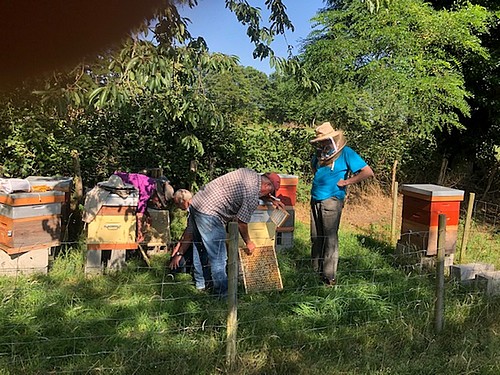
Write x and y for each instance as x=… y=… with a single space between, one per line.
x=289 y=179
x=279 y=216
x=432 y=190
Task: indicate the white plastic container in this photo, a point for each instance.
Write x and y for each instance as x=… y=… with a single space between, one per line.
x=12 y=185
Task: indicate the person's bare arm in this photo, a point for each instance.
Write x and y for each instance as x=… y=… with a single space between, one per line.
x=180 y=249
x=363 y=174
x=243 y=228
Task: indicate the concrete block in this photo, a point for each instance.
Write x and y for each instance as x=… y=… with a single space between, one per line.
x=29 y=262
x=284 y=240
x=465 y=273
x=429 y=262
x=489 y=282
x=93 y=262
x=411 y=257
x=97 y=261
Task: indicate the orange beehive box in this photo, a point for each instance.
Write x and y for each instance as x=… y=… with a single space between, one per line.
x=23 y=234
x=26 y=199
x=287 y=192
x=29 y=220
x=422 y=205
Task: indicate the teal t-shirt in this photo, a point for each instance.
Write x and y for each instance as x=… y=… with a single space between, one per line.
x=325 y=180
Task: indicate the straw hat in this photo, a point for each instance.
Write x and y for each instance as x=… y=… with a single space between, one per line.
x=325 y=131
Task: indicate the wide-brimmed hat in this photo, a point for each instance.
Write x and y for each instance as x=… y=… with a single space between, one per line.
x=164 y=190
x=325 y=131
x=114 y=181
x=275 y=180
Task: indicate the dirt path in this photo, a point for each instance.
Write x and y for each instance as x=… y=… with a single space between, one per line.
x=360 y=213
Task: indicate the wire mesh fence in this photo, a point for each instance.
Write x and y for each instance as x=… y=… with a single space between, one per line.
x=144 y=319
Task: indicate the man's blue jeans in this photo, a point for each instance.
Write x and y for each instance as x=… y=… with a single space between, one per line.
x=209 y=235
x=192 y=259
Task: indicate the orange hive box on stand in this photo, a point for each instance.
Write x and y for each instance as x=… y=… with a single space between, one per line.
x=422 y=205
x=30 y=221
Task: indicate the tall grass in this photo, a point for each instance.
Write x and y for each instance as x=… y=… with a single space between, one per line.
x=378 y=320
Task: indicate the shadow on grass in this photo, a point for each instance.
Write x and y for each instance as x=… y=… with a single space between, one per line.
x=376 y=320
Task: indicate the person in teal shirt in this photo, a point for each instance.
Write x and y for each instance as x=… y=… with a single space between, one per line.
x=335 y=166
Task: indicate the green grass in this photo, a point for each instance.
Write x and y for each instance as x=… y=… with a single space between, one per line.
x=378 y=320
x=483 y=244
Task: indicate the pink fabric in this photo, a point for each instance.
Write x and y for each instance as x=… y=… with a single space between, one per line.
x=146 y=186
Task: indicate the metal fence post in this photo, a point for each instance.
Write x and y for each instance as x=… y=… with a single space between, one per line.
x=232 y=314
x=439 y=306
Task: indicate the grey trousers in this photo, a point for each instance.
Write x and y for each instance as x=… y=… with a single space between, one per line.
x=325 y=221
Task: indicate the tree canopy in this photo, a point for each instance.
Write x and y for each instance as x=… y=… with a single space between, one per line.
x=407 y=80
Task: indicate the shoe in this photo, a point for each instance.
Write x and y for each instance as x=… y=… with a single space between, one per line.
x=329 y=282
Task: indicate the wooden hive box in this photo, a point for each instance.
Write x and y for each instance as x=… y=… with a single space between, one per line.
x=114 y=227
x=261 y=229
x=30 y=220
x=64 y=184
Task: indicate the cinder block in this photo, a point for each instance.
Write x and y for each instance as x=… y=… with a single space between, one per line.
x=284 y=240
x=429 y=262
x=99 y=260
x=467 y=272
x=29 y=262
x=412 y=257
x=489 y=282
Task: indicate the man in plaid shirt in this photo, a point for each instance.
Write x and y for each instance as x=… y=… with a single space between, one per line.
x=234 y=195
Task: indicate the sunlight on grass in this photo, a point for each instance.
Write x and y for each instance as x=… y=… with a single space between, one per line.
x=377 y=320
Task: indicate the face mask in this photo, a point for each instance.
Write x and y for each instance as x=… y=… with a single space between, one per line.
x=327 y=152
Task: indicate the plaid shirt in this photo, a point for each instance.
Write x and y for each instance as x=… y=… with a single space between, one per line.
x=235 y=194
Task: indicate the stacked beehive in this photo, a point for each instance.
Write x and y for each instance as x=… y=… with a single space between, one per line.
x=112 y=233
x=287 y=193
x=30 y=224
x=64 y=184
x=422 y=205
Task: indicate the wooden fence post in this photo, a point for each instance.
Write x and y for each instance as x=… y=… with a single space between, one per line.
x=439 y=305
x=468 y=219
x=394 y=212
x=393 y=181
x=232 y=315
